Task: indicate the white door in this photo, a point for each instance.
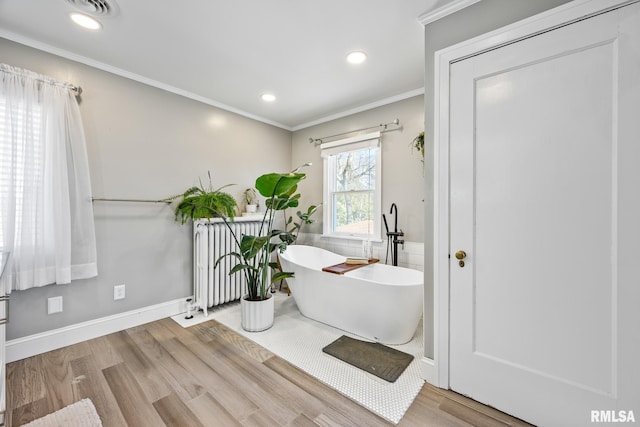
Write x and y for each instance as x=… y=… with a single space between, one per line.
x=544 y=185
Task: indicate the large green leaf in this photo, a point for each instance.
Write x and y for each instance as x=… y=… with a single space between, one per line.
x=278 y=184
x=251 y=245
x=282 y=203
x=281 y=275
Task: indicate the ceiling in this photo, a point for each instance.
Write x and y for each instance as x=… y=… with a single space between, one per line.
x=228 y=53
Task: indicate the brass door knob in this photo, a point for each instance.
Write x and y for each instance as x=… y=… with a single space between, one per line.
x=461 y=255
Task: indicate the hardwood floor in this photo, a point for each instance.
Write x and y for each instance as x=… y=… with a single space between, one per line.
x=207 y=375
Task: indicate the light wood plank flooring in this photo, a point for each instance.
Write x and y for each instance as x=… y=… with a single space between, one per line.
x=207 y=375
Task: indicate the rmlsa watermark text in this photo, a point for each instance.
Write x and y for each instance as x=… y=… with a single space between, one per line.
x=611 y=416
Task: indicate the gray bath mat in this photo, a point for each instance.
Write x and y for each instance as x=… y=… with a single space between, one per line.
x=375 y=358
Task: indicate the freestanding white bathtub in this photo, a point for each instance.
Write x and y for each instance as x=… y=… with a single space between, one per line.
x=378 y=302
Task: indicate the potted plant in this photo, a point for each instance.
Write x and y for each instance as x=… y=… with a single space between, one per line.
x=418 y=144
x=251 y=200
x=199 y=202
x=255 y=251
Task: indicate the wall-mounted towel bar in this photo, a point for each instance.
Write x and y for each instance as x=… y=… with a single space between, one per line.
x=96 y=199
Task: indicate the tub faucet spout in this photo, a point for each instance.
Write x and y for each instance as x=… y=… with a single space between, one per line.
x=395 y=218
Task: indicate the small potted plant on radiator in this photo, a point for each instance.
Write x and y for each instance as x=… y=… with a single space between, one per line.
x=251 y=200
x=255 y=251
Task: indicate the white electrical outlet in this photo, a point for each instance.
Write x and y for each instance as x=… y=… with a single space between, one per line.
x=118 y=292
x=54 y=305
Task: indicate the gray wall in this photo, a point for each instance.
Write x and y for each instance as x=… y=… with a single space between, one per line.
x=402 y=170
x=143 y=143
x=480 y=18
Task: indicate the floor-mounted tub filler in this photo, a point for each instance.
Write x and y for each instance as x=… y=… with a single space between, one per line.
x=378 y=302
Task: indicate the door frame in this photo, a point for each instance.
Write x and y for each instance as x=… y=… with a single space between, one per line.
x=438 y=372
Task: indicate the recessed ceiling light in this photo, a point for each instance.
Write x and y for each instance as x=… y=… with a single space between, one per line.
x=356 y=57
x=85 y=21
x=268 y=97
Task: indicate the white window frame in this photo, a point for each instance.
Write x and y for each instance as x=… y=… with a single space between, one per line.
x=328 y=152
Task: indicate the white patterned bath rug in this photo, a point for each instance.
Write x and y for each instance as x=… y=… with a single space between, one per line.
x=79 y=414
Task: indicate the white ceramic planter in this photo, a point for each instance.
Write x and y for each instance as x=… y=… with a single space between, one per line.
x=252 y=208
x=257 y=315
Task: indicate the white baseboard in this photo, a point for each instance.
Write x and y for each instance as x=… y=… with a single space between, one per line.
x=32 y=345
x=428 y=370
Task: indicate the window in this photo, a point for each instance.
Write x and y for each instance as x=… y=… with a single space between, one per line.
x=46 y=217
x=18 y=163
x=352 y=190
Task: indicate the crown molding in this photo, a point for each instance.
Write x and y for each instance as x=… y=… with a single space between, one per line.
x=447 y=9
x=360 y=109
x=133 y=76
x=172 y=89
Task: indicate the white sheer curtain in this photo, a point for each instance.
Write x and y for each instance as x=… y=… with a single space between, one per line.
x=46 y=215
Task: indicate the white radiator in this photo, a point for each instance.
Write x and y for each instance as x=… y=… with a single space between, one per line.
x=212 y=239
